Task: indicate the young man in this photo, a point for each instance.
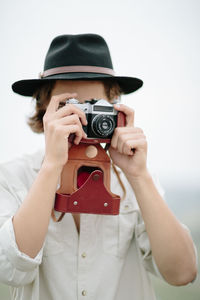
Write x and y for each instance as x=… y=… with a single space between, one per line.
x=91 y=256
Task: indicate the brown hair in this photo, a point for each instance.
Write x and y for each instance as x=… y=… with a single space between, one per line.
x=43 y=96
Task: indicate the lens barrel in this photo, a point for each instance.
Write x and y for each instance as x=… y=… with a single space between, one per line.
x=103 y=125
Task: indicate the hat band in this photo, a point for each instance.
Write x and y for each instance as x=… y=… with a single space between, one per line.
x=77 y=69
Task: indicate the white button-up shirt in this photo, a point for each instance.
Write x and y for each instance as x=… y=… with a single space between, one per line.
x=108 y=260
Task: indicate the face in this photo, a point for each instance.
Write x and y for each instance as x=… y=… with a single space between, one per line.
x=86 y=90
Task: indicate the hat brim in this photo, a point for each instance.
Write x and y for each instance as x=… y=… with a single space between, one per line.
x=28 y=87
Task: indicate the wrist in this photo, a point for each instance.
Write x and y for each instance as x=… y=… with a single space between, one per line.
x=137 y=181
x=51 y=167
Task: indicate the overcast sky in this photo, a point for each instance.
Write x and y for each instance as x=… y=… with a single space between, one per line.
x=155 y=40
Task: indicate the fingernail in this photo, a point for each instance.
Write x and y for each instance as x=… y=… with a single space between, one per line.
x=117 y=105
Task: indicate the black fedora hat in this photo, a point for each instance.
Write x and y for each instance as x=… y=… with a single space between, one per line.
x=77 y=57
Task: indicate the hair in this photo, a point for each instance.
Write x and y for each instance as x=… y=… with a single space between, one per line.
x=43 y=96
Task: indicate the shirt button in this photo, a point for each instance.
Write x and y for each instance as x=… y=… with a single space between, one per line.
x=83 y=255
x=84 y=292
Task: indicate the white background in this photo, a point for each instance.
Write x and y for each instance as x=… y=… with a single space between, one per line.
x=155 y=40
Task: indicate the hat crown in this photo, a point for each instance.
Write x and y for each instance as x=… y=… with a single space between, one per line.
x=78 y=50
x=77 y=57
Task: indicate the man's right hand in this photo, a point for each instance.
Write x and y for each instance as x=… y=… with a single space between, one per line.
x=58 y=125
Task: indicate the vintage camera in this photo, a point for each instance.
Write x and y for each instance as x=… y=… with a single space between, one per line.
x=102 y=118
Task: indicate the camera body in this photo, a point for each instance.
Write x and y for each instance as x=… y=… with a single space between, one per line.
x=102 y=119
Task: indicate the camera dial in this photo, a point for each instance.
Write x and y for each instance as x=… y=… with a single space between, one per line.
x=102 y=125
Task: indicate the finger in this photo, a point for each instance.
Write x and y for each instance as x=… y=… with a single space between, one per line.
x=129 y=112
x=124 y=130
x=134 y=144
x=55 y=100
x=120 y=131
x=71 y=120
x=69 y=109
x=123 y=138
x=68 y=120
x=74 y=128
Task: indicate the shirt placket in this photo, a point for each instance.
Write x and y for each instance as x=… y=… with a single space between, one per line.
x=83 y=256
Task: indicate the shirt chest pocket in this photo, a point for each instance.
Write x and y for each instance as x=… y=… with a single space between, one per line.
x=60 y=238
x=53 y=245
x=118 y=232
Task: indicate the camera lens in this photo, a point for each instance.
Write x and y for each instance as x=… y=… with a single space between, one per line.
x=102 y=125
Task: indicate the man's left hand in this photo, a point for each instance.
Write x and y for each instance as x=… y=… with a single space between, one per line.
x=128 y=149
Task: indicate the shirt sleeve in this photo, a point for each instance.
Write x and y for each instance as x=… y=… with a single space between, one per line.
x=16 y=268
x=143 y=242
x=146 y=253
x=144 y=246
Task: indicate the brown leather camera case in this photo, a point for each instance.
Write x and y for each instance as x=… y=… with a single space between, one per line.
x=94 y=195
